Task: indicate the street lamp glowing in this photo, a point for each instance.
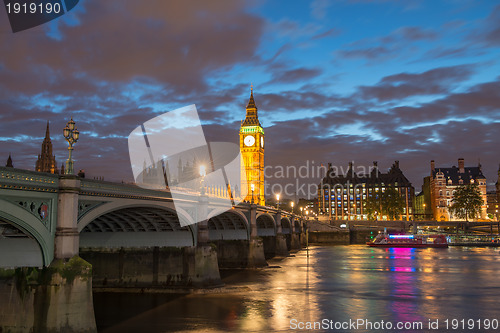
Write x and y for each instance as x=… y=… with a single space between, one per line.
x=253 y=189
x=202 y=171
x=278 y=199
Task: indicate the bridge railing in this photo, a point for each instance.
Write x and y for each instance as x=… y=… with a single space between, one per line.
x=12 y=178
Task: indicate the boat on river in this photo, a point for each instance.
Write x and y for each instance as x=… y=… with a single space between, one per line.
x=408 y=240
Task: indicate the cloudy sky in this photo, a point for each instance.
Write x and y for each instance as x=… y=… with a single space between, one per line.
x=334 y=81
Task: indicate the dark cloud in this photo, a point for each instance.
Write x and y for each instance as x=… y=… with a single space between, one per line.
x=295 y=75
x=175 y=43
x=432 y=82
x=409 y=34
x=492 y=27
x=371 y=53
x=329 y=33
x=387 y=47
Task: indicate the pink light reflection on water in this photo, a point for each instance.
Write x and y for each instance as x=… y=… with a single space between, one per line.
x=404 y=284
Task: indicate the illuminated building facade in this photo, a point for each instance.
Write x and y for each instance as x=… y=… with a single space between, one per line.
x=444 y=182
x=422 y=206
x=46 y=160
x=493 y=210
x=252 y=152
x=493 y=198
x=343 y=197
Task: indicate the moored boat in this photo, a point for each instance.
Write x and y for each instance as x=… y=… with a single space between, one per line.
x=408 y=240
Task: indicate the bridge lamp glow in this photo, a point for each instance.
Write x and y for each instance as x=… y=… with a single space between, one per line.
x=203 y=171
x=253 y=189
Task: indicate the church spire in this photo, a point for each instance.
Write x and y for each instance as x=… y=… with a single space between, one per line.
x=47 y=132
x=9 y=162
x=46 y=160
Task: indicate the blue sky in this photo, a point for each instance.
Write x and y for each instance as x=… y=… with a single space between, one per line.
x=335 y=81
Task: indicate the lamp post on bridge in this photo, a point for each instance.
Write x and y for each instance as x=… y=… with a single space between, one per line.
x=71 y=134
x=253 y=189
x=203 y=173
x=278 y=200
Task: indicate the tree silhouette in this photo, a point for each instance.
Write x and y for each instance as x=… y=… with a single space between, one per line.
x=387 y=203
x=372 y=207
x=392 y=203
x=466 y=202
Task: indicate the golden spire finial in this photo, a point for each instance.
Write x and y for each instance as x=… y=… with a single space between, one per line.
x=251 y=87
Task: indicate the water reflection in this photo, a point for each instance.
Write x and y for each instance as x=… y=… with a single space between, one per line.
x=337 y=283
x=404 y=288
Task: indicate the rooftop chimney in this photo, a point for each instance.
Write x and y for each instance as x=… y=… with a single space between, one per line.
x=396 y=164
x=461 y=165
x=351 y=169
x=433 y=166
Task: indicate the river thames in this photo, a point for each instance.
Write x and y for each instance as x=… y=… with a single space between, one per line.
x=456 y=288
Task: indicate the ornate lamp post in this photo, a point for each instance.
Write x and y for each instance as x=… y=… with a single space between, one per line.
x=291 y=203
x=278 y=200
x=203 y=173
x=71 y=135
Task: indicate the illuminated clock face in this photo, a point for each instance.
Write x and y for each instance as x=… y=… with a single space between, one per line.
x=262 y=142
x=249 y=140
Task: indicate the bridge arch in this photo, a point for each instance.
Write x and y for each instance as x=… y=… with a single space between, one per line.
x=286 y=226
x=297 y=227
x=265 y=225
x=228 y=225
x=135 y=226
x=31 y=226
x=107 y=207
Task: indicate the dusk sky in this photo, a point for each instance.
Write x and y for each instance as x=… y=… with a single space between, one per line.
x=334 y=81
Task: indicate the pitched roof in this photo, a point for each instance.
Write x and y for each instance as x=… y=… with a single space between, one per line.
x=455 y=175
x=393 y=176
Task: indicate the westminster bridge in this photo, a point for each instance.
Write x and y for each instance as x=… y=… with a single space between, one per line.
x=132 y=237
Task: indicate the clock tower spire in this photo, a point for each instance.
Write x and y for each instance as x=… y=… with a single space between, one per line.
x=252 y=152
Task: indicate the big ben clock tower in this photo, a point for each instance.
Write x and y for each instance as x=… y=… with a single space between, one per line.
x=252 y=152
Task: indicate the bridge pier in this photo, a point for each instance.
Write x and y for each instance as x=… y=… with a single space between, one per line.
x=281 y=248
x=295 y=235
x=295 y=243
x=67 y=236
x=57 y=298
x=256 y=256
x=156 y=267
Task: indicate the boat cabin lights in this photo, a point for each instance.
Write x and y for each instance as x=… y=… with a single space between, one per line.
x=401 y=236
